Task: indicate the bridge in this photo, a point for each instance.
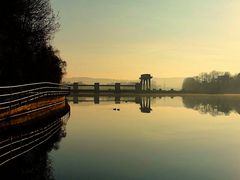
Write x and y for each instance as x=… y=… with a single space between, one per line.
x=140 y=87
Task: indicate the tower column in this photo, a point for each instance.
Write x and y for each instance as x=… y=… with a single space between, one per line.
x=145 y=81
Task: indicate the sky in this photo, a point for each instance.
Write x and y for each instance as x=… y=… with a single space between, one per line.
x=167 y=38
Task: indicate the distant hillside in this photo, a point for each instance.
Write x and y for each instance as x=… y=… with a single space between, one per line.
x=163 y=83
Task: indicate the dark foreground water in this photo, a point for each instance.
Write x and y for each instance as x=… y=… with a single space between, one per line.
x=191 y=137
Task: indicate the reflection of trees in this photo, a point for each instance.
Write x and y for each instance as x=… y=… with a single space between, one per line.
x=36 y=163
x=214 y=105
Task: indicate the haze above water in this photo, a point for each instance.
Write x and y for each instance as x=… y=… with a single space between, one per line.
x=181 y=138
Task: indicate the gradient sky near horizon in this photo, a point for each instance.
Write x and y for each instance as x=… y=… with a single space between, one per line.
x=167 y=38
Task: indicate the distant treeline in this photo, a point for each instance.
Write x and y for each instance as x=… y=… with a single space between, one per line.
x=214 y=82
x=26 y=55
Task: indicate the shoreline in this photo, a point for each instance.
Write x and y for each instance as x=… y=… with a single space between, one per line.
x=149 y=94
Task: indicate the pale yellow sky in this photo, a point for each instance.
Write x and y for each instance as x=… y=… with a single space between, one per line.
x=167 y=38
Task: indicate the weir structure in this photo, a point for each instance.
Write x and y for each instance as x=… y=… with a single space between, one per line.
x=143 y=86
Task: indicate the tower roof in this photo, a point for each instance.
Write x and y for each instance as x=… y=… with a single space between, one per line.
x=146 y=76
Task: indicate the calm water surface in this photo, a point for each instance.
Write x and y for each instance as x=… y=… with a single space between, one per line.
x=178 y=138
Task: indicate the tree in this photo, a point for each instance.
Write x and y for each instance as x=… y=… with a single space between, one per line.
x=190 y=85
x=214 y=82
x=26 y=55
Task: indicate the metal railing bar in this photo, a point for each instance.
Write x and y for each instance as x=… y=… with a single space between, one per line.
x=32 y=84
x=37 y=93
x=29 y=90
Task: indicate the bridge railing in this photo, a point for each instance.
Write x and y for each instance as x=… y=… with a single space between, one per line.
x=14 y=96
x=108 y=88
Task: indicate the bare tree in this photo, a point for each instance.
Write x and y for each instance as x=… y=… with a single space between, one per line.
x=26 y=30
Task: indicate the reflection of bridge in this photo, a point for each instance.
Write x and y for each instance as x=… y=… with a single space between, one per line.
x=143 y=86
x=17 y=144
x=143 y=101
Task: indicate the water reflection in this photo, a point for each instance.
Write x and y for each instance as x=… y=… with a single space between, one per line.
x=213 y=104
x=144 y=101
x=145 y=104
x=171 y=142
x=24 y=153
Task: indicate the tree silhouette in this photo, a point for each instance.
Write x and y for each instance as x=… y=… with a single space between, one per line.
x=214 y=82
x=26 y=55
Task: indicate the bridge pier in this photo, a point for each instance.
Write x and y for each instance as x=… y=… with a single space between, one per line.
x=75 y=88
x=96 y=88
x=117 y=87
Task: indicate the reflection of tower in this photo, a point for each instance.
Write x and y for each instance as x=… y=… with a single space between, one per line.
x=145 y=105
